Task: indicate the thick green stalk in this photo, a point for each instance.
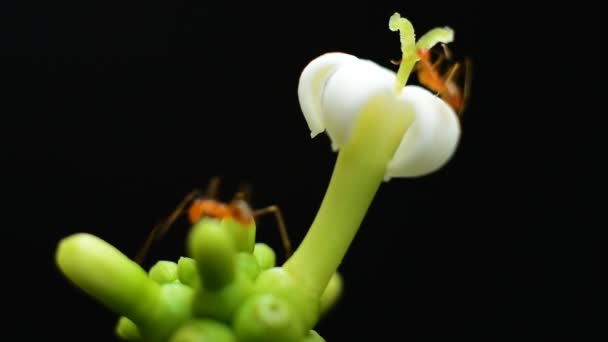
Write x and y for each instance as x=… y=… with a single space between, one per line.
x=357 y=175
x=109 y=276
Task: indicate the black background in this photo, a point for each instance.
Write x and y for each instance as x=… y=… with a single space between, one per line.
x=112 y=112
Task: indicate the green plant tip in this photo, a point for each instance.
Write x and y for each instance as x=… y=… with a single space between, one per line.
x=163 y=272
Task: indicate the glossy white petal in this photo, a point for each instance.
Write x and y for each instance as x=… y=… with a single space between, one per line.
x=347 y=90
x=312 y=83
x=430 y=141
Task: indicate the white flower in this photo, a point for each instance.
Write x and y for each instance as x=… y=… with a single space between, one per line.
x=335 y=87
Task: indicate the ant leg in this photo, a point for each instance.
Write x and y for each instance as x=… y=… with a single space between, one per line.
x=162 y=228
x=452 y=72
x=145 y=248
x=438 y=62
x=468 y=64
x=281 y=225
x=177 y=212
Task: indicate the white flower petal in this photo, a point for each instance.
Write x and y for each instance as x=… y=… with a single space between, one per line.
x=311 y=85
x=347 y=91
x=430 y=141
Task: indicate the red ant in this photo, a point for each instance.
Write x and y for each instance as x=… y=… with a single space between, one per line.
x=429 y=75
x=444 y=85
x=205 y=205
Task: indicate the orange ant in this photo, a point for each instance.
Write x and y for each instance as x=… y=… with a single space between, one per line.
x=429 y=75
x=443 y=85
x=205 y=205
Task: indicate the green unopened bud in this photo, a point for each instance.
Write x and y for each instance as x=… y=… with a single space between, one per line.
x=221 y=304
x=265 y=256
x=203 y=330
x=214 y=251
x=313 y=336
x=268 y=318
x=172 y=309
x=163 y=272
x=279 y=282
x=248 y=265
x=243 y=235
x=127 y=330
x=186 y=272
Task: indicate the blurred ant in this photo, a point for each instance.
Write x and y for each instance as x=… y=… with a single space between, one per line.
x=198 y=205
x=430 y=75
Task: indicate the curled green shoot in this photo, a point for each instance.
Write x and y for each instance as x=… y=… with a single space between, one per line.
x=435 y=36
x=408 y=47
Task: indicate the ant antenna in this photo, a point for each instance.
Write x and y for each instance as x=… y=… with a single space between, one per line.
x=213 y=187
x=452 y=72
x=161 y=228
x=468 y=76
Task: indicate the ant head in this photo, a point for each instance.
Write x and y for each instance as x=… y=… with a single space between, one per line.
x=241 y=210
x=240 y=203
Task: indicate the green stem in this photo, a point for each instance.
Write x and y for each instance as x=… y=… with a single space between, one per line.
x=351 y=191
x=358 y=173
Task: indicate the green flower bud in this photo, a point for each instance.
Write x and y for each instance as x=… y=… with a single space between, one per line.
x=127 y=330
x=313 y=336
x=214 y=251
x=170 y=311
x=186 y=272
x=280 y=283
x=221 y=304
x=203 y=330
x=265 y=256
x=163 y=272
x=248 y=265
x=268 y=318
x=244 y=236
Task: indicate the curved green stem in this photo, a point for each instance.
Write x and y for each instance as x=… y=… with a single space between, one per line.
x=358 y=173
